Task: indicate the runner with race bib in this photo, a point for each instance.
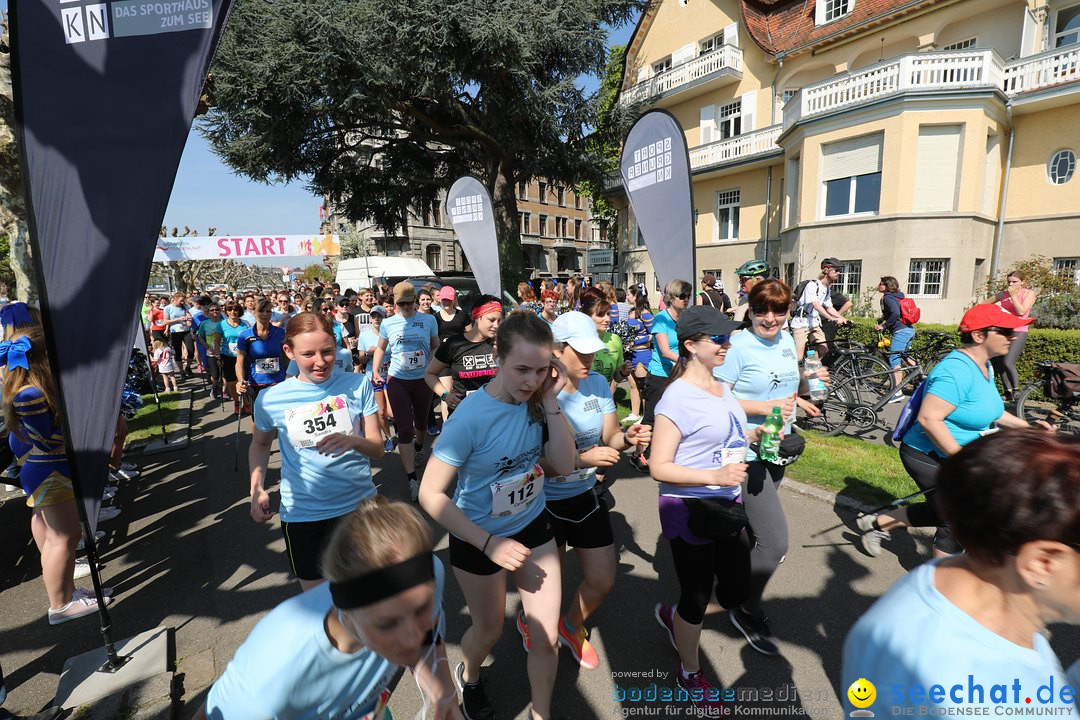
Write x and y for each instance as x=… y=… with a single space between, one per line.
x=327 y=429
x=259 y=354
x=410 y=338
x=470 y=356
x=492 y=445
x=231 y=327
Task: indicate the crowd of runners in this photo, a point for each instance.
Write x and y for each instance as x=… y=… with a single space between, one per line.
x=515 y=412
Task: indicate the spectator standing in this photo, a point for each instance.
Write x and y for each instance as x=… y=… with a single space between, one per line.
x=815 y=307
x=1019 y=300
x=891 y=321
x=711 y=295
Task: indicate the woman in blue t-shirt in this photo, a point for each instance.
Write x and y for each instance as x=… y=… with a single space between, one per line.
x=231 y=327
x=493 y=444
x=333 y=652
x=326 y=426
x=762 y=372
x=574 y=510
x=960 y=404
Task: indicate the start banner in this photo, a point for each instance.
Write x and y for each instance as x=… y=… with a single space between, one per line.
x=243 y=247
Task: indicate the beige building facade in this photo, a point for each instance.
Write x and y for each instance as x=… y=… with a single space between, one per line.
x=930 y=141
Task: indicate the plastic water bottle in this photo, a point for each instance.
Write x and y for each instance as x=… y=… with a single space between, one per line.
x=770 y=436
x=818 y=391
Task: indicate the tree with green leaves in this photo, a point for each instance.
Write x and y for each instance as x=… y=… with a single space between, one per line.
x=379 y=104
x=612 y=123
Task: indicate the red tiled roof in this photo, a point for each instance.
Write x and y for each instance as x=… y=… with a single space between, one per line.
x=781 y=26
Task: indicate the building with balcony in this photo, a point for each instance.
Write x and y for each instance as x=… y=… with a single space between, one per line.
x=915 y=138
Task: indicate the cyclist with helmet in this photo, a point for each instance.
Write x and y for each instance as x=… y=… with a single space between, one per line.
x=750 y=273
x=815 y=306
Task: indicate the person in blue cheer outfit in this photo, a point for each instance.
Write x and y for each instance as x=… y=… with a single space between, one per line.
x=327 y=429
x=333 y=652
x=577 y=516
x=492 y=445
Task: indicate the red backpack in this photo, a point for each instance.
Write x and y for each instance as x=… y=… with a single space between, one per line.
x=909 y=311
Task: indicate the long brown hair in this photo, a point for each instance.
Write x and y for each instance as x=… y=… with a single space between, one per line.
x=523 y=326
x=39 y=375
x=306 y=322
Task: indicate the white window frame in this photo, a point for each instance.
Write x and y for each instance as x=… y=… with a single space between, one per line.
x=1068 y=266
x=526 y=222
x=433 y=252
x=851 y=198
x=709 y=44
x=965 y=44
x=726 y=200
x=542 y=227
x=1050 y=165
x=843 y=281
x=725 y=120
x=661 y=66
x=1054 y=34
x=921 y=271
x=827 y=11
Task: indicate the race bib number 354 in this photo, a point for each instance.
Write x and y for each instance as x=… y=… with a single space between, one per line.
x=308 y=424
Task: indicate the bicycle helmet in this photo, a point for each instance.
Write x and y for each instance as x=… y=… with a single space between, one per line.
x=753 y=268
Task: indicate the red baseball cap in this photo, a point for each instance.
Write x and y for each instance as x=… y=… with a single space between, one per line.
x=984 y=316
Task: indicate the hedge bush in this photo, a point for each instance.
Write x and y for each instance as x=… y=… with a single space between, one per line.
x=1042 y=345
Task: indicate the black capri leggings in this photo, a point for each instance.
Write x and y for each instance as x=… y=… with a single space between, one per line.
x=1005 y=365
x=726 y=563
x=410 y=400
x=923 y=469
x=654 y=390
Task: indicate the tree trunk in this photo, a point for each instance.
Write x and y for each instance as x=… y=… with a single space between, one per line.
x=22 y=264
x=502 y=185
x=12 y=202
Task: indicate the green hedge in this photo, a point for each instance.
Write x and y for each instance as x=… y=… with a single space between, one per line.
x=1042 y=344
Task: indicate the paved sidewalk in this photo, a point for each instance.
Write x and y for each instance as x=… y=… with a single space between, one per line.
x=185 y=553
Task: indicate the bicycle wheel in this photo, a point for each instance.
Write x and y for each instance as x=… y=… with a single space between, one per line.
x=868 y=378
x=835 y=410
x=1067 y=420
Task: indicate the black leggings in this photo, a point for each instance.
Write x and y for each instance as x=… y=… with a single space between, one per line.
x=1005 y=365
x=769 y=527
x=654 y=390
x=923 y=469
x=179 y=341
x=698 y=566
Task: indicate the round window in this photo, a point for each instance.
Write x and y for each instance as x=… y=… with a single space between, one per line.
x=1061 y=167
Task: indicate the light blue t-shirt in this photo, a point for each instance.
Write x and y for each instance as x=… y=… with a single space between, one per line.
x=958 y=381
x=757 y=369
x=585 y=410
x=249 y=318
x=658 y=364
x=172 y=312
x=315 y=486
x=409 y=344
x=914 y=639
x=230 y=338
x=288 y=669
x=711 y=428
x=490 y=441
x=342 y=363
x=369 y=338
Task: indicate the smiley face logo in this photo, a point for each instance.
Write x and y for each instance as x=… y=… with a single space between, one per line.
x=862 y=693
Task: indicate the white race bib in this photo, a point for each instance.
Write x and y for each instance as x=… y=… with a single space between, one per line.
x=234 y=348
x=412 y=360
x=581 y=474
x=513 y=495
x=307 y=424
x=267 y=366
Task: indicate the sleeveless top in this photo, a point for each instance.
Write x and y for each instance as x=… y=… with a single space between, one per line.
x=1007 y=304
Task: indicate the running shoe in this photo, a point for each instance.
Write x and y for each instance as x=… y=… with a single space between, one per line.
x=755 y=630
x=474 y=701
x=898 y=397
x=4 y=487
x=871 y=536
x=578 y=644
x=702 y=693
x=389 y=445
x=414 y=490
x=89 y=592
x=82 y=568
x=79 y=606
x=665 y=615
x=418 y=454
x=11 y=471
x=523 y=630
x=107 y=494
x=127 y=474
x=128 y=466
x=640 y=463
x=433 y=429
x=82 y=541
x=107 y=512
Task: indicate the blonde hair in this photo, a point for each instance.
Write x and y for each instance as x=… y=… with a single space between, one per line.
x=39 y=375
x=378 y=533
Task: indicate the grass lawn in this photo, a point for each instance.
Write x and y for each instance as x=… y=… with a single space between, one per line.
x=859 y=469
x=146 y=425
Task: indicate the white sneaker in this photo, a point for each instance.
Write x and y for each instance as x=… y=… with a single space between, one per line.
x=107 y=512
x=82 y=541
x=4 y=487
x=898 y=397
x=128 y=466
x=126 y=474
x=79 y=606
x=82 y=568
x=89 y=593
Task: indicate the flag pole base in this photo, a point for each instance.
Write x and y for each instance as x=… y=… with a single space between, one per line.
x=175 y=441
x=144 y=678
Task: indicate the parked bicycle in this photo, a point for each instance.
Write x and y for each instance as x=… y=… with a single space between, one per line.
x=1060 y=405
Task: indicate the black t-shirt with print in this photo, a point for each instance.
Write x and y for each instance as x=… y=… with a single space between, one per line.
x=472 y=365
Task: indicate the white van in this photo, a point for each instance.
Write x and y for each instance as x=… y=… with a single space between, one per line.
x=362 y=272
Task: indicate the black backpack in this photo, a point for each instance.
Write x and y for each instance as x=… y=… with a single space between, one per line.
x=1063 y=381
x=797 y=309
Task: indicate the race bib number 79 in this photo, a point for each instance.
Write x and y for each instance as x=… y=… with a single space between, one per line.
x=308 y=424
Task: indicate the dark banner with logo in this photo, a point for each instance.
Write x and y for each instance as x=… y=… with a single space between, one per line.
x=105 y=93
x=469 y=206
x=655 y=167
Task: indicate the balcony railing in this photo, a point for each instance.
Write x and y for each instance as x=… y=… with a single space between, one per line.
x=726 y=57
x=1044 y=70
x=735 y=148
x=919 y=71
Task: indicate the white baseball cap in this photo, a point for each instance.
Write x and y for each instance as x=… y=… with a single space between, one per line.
x=578 y=331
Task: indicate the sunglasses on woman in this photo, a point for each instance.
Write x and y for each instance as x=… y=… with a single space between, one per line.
x=683 y=296
x=1004 y=332
x=718 y=339
x=763 y=311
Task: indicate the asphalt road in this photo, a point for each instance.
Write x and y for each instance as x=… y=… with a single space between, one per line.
x=184 y=553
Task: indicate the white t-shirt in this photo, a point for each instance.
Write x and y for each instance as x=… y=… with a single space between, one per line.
x=815 y=291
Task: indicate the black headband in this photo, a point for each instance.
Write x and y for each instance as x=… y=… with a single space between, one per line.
x=383 y=583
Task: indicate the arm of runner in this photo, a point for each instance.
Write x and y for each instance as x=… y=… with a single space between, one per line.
x=431 y=376
x=663 y=345
x=370 y=443
x=662 y=467
x=1008 y=420
x=618 y=439
x=258 y=458
x=932 y=414
x=241 y=383
x=377 y=360
x=438 y=686
x=504 y=552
